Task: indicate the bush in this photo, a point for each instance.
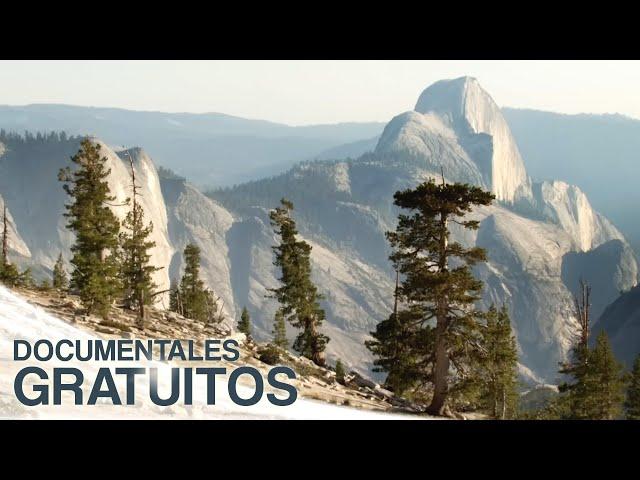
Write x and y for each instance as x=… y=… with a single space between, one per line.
x=269 y=354
x=9 y=275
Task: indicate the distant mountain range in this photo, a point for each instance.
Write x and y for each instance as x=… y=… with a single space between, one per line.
x=211 y=149
x=541 y=236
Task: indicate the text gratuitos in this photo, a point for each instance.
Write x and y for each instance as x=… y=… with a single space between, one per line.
x=34 y=385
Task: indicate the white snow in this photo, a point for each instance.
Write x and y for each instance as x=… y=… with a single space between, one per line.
x=21 y=320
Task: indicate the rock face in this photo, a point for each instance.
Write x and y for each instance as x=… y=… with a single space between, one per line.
x=15 y=243
x=621 y=321
x=194 y=218
x=540 y=237
x=474 y=116
x=189 y=217
x=151 y=200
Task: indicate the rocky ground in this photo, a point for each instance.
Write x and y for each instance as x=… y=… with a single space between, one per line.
x=313 y=382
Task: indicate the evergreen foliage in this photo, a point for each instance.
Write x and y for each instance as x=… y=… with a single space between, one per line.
x=191 y=298
x=136 y=270
x=244 y=325
x=280 y=331
x=606 y=382
x=632 y=403
x=438 y=328
x=500 y=366
x=95 y=252
x=298 y=296
x=60 y=280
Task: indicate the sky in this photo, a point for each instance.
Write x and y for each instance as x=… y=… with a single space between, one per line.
x=311 y=92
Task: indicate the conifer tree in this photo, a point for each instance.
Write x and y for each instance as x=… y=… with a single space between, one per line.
x=396 y=346
x=575 y=391
x=632 y=403
x=298 y=296
x=394 y=340
x=136 y=271
x=606 y=382
x=9 y=275
x=500 y=365
x=244 y=325
x=195 y=300
x=60 y=279
x=96 y=228
x=438 y=286
x=25 y=279
x=280 y=331
x=340 y=372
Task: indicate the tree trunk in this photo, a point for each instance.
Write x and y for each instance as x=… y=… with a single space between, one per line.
x=441 y=365
x=440 y=371
x=317 y=355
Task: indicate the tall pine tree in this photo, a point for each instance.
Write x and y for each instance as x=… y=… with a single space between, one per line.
x=438 y=286
x=192 y=299
x=632 y=403
x=500 y=365
x=606 y=382
x=96 y=228
x=595 y=389
x=575 y=391
x=136 y=270
x=298 y=296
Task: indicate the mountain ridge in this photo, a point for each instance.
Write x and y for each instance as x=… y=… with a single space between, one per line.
x=343 y=209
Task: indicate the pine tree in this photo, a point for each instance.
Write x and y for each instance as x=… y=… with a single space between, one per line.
x=298 y=296
x=500 y=365
x=438 y=285
x=575 y=391
x=192 y=296
x=9 y=275
x=397 y=341
x=96 y=228
x=606 y=382
x=244 y=325
x=632 y=403
x=60 y=280
x=25 y=279
x=280 y=331
x=340 y=372
x=136 y=271
x=394 y=341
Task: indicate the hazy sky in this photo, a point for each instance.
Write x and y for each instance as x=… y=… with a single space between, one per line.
x=304 y=92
